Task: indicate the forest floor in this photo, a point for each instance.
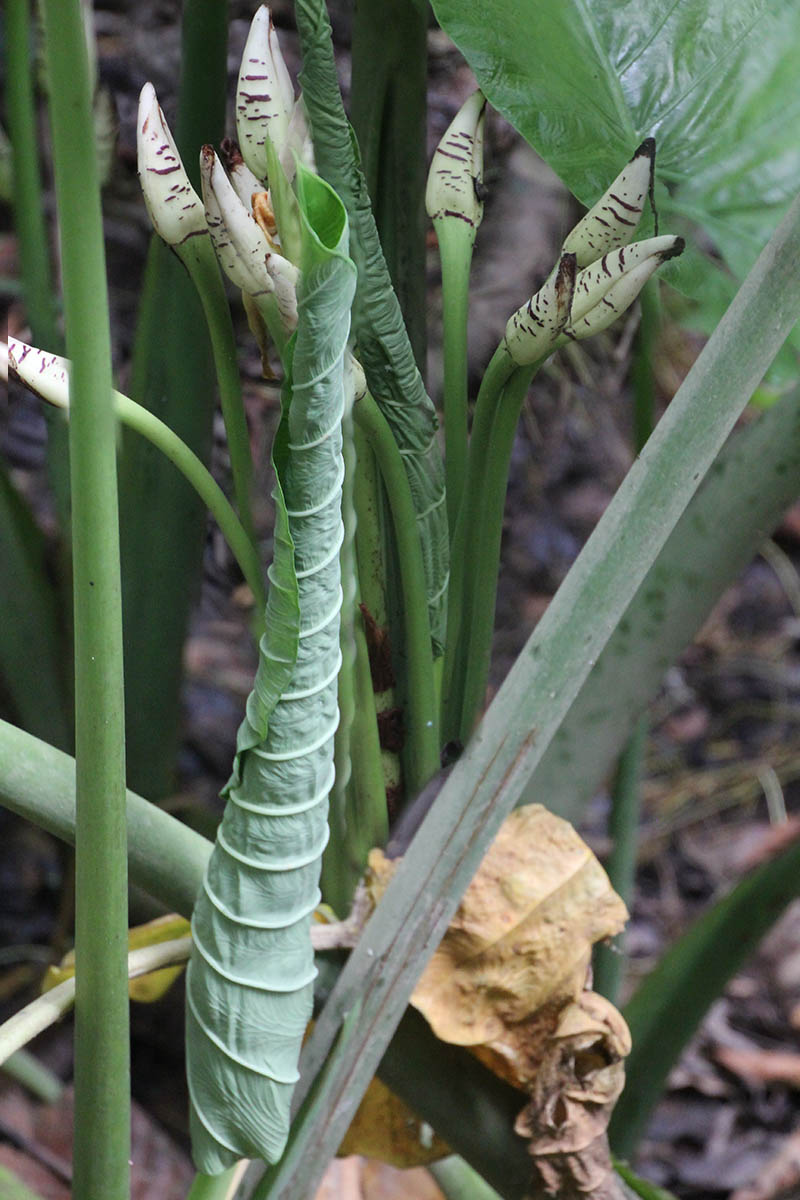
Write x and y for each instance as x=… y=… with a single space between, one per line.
x=724 y=730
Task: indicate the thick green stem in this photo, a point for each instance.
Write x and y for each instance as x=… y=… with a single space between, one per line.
x=495 y=377
x=422 y=733
x=481 y=594
x=370 y=506
x=37 y=782
x=102 y=1094
x=136 y=417
x=455 y=253
x=623 y=825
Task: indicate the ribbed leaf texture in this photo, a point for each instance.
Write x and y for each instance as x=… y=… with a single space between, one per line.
x=249 y=984
x=383 y=346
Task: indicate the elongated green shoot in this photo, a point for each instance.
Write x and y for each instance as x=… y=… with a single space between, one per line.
x=497 y=374
x=454 y=201
x=164 y=179
x=455 y=312
x=479 y=605
x=422 y=733
x=102 y=1090
x=47 y=375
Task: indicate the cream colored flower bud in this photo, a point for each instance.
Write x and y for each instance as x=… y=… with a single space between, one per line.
x=45 y=374
x=357 y=377
x=174 y=206
x=612 y=222
x=455 y=179
x=595 y=281
x=533 y=329
x=244 y=181
x=621 y=294
x=264 y=94
x=285 y=277
x=240 y=245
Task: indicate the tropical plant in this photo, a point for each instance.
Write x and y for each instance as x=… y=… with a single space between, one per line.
x=374 y=524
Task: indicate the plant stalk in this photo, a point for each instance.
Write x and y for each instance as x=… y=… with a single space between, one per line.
x=456 y=261
x=102 y=1088
x=488 y=507
x=200 y=261
x=422 y=733
x=495 y=377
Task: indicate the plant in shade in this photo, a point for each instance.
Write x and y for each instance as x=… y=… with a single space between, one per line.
x=374 y=623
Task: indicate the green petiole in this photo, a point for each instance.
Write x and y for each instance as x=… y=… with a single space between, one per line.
x=422 y=739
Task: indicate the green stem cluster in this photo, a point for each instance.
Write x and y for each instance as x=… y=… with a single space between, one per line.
x=422 y=733
x=102 y=1093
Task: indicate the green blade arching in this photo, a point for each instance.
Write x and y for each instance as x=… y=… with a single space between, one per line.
x=250 y=981
x=383 y=345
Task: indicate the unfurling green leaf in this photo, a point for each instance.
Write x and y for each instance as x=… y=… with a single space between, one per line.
x=249 y=985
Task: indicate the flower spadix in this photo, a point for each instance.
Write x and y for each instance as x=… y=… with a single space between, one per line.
x=594 y=282
x=454 y=192
x=45 y=374
x=532 y=331
x=265 y=103
x=613 y=220
x=238 y=240
x=175 y=208
x=614 y=269
x=626 y=279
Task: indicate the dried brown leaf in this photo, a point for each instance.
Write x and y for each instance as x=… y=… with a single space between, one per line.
x=521 y=938
x=507 y=980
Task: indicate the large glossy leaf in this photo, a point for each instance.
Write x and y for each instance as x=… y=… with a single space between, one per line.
x=716 y=84
x=249 y=986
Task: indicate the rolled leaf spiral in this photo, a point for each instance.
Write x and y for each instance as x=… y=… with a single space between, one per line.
x=250 y=979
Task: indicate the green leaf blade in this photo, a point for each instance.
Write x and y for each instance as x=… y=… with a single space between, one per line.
x=250 y=981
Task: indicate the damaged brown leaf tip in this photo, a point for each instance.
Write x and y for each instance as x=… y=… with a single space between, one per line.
x=508 y=981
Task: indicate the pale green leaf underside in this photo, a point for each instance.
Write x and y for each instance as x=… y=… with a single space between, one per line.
x=250 y=981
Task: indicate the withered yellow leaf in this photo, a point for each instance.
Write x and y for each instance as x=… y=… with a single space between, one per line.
x=521 y=938
x=385 y=1128
x=145 y=988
